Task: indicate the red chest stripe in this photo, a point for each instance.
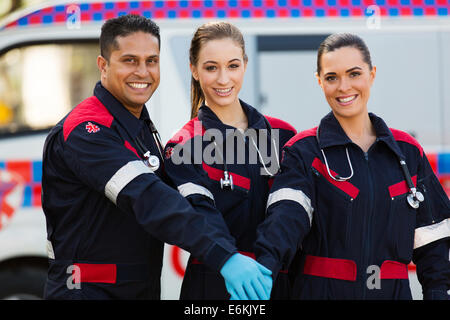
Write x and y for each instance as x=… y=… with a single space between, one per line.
x=345 y=186
x=217 y=174
x=400 y=187
x=131 y=148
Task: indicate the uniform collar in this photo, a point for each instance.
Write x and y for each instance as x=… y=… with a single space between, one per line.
x=332 y=134
x=385 y=134
x=128 y=121
x=210 y=120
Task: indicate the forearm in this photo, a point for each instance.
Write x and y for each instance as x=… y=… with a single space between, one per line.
x=165 y=214
x=433 y=269
x=280 y=235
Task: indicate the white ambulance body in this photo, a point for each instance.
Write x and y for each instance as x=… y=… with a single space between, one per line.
x=47 y=66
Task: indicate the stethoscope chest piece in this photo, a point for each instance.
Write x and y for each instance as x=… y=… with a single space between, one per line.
x=227 y=181
x=151 y=161
x=414 y=199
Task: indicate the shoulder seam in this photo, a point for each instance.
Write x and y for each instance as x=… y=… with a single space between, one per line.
x=301 y=135
x=276 y=123
x=403 y=136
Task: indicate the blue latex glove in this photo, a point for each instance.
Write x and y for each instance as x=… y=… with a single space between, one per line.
x=246 y=279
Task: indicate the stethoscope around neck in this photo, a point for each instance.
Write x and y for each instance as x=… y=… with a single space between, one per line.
x=226 y=183
x=414 y=197
x=149 y=159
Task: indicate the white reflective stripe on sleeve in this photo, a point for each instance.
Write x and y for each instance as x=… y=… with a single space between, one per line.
x=50 y=252
x=294 y=195
x=189 y=188
x=124 y=176
x=427 y=234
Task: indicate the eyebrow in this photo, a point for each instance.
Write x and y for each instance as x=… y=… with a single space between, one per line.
x=211 y=61
x=347 y=71
x=135 y=56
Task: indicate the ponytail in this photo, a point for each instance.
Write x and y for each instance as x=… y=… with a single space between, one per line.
x=197 y=97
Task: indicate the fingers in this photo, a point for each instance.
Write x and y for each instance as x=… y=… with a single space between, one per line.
x=240 y=292
x=246 y=279
x=267 y=282
x=266 y=279
x=233 y=293
x=263 y=269
x=250 y=289
x=260 y=289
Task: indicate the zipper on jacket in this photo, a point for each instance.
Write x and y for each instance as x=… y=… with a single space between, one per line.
x=252 y=176
x=368 y=243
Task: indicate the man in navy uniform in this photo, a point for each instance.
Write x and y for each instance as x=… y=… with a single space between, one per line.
x=107 y=201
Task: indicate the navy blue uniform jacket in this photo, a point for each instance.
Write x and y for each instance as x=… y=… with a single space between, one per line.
x=354 y=239
x=236 y=212
x=107 y=212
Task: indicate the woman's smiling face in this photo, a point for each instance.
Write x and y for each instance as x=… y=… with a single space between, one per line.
x=346 y=80
x=220 y=70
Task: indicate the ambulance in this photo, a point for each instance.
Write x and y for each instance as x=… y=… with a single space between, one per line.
x=48 y=65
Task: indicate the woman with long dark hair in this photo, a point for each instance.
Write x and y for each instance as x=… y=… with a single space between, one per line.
x=355 y=201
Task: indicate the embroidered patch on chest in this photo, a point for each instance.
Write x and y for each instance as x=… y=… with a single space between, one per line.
x=92 y=128
x=168 y=153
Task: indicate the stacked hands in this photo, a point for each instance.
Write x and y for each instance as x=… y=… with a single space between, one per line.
x=246 y=279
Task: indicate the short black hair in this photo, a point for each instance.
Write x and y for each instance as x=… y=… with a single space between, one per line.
x=340 y=40
x=123 y=26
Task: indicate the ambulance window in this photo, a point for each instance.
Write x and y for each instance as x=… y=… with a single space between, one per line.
x=40 y=83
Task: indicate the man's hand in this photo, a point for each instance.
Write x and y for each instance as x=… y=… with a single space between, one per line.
x=246 y=279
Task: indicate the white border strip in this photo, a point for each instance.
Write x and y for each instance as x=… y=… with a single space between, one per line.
x=294 y=195
x=427 y=234
x=124 y=176
x=190 y=188
x=50 y=252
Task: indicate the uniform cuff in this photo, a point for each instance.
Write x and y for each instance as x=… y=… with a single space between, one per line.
x=270 y=264
x=436 y=294
x=217 y=256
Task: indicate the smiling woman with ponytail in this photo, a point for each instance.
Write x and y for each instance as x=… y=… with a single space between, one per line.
x=204 y=34
x=230 y=193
